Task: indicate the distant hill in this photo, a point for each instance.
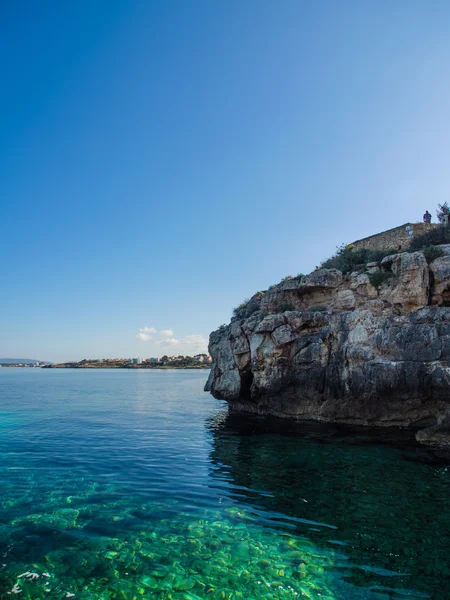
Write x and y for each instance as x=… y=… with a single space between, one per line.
x=17 y=361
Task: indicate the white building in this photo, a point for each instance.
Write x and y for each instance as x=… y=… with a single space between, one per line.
x=136 y=361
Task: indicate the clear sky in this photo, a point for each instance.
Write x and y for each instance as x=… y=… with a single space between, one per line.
x=162 y=161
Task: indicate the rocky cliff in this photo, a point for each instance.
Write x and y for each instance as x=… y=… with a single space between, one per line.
x=371 y=347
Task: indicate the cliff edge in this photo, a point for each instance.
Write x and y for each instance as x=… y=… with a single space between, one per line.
x=370 y=347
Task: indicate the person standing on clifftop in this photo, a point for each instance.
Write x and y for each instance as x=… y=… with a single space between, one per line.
x=427 y=217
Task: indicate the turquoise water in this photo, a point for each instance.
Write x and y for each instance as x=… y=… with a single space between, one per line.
x=117 y=484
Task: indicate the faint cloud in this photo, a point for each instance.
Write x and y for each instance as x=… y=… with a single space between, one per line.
x=197 y=341
x=145 y=334
x=166 y=333
x=191 y=344
x=169 y=342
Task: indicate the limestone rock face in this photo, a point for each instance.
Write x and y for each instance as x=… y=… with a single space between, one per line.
x=440 y=277
x=350 y=349
x=411 y=285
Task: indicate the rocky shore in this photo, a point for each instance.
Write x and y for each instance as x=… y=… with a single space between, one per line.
x=368 y=348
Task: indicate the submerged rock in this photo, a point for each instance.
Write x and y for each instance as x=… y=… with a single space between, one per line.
x=334 y=348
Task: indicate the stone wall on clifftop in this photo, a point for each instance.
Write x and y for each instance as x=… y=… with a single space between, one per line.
x=393 y=239
x=333 y=347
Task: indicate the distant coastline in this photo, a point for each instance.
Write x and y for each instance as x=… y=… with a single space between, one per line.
x=27 y=363
x=107 y=366
x=200 y=361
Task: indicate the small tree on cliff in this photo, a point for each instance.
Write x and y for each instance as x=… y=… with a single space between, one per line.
x=443 y=212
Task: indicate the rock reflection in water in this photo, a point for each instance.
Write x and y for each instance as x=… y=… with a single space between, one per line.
x=374 y=494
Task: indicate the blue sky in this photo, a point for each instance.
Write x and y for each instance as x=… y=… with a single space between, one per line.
x=162 y=161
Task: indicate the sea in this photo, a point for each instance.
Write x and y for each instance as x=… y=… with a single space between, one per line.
x=118 y=484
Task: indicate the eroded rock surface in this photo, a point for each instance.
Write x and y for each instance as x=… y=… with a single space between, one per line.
x=336 y=348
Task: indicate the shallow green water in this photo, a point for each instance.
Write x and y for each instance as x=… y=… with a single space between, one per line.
x=138 y=485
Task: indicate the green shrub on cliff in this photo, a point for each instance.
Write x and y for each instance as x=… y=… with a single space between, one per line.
x=432 y=252
x=347 y=259
x=285 y=307
x=379 y=279
x=241 y=308
x=249 y=306
x=434 y=237
x=297 y=277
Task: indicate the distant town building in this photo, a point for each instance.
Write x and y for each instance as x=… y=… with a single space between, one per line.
x=135 y=361
x=203 y=358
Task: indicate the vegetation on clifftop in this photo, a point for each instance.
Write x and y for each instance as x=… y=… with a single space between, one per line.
x=432 y=252
x=347 y=259
x=239 y=309
x=434 y=237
